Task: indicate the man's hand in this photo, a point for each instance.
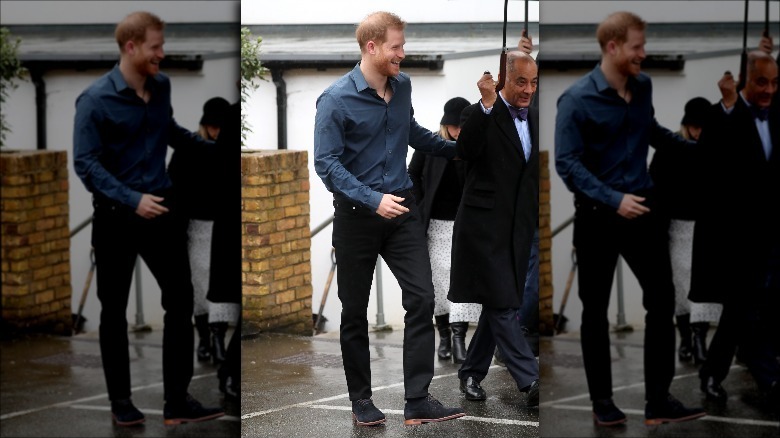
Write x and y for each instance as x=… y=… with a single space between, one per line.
x=765 y=45
x=631 y=207
x=526 y=44
x=150 y=206
x=728 y=89
x=390 y=207
x=487 y=88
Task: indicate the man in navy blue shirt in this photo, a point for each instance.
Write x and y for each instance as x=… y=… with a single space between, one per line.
x=363 y=127
x=123 y=126
x=604 y=125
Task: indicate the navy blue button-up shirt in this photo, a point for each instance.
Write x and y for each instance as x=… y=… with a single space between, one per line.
x=120 y=142
x=360 y=141
x=601 y=142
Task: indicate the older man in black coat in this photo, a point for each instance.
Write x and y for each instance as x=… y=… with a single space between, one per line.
x=735 y=246
x=496 y=222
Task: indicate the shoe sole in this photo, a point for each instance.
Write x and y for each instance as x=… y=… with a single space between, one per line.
x=608 y=423
x=476 y=398
x=127 y=423
x=419 y=421
x=657 y=421
x=371 y=423
x=175 y=421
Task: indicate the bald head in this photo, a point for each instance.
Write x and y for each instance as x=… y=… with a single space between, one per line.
x=515 y=58
x=521 y=79
x=761 y=84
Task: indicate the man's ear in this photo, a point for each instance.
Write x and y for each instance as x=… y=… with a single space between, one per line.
x=371 y=47
x=130 y=47
x=611 y=47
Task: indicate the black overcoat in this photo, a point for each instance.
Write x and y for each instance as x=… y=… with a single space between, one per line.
x=498 y=212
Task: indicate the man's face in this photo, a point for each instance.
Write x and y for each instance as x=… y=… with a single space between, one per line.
x=146 y=56
x=388 y=55
x=762 y=83
x=520 y=84
x=629 y=55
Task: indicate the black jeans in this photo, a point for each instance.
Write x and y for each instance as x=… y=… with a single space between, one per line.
x=119 y=235
x=600 y=235
x=359 y=236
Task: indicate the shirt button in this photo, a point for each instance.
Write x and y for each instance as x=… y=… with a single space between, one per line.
x=388 y=129
x=389 y=152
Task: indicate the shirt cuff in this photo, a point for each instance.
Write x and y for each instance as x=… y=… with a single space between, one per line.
x=485 y=110
x=726 y=110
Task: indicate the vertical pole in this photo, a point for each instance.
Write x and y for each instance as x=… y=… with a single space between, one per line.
x=380 y=308
x=621 y=312
x=140 y=325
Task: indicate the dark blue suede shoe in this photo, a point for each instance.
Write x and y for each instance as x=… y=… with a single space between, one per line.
x=125 y=413
x=364 y=413
x=428 y=410
x=188 y=410
x=605 y=413
x=670 y=410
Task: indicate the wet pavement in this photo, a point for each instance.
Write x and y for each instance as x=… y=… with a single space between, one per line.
x=294 y=386
x=565 y=408
x=53 y=386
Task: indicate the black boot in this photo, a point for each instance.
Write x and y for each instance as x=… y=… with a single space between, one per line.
x=684 y=353
x=445 y=336
x=204 y=336
x=459 y=330
x=218 y=330
x=700 y=330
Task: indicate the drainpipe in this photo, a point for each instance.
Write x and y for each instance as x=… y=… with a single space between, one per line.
x=40 y=107
x=281 y=107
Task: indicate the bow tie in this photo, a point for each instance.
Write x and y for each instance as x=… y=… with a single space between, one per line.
x=522 y=113
x=760 y=113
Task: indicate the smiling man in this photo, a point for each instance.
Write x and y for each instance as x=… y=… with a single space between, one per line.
x=603 y=129
x=123 y=127
x=362 y=130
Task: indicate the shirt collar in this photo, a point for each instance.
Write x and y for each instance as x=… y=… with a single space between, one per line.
x=601 y=81
x=120 y=85
x=360 y=80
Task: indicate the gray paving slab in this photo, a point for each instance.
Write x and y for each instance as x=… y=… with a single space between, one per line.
x=565 y=408
x=295 y=386
x=53 y=386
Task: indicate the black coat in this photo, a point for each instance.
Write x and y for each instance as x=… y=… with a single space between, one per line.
x=426 y=173
x=737 y=216
x=225 y=281
x=499 y=210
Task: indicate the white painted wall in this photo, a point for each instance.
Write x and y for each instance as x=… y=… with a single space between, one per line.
x=189 y=91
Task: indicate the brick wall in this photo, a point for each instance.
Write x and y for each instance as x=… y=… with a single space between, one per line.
x=546 y=324
x=276 y=242
x=35 y=241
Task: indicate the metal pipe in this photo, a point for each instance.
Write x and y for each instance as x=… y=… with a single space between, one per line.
x=380 y=308
x=281 y=108
x=321 y=226
x=40 y=107
x=562 y=226
x=81 y=226
x=743 y=58
x=140 y=325
x=621 y=312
